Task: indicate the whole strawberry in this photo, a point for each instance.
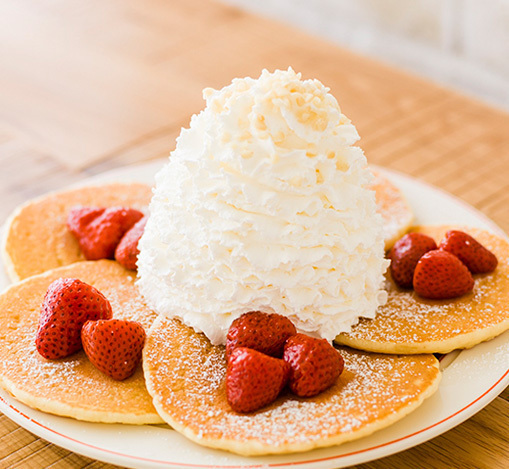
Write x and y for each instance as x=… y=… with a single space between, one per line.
x=68 y=304
x=253 y=379
x=114 y=346
x=441 y=275
x=99 y=231
x=315 y=364
x=127 y=250
x=264 y=332
x=405 y=254
x=468 y=250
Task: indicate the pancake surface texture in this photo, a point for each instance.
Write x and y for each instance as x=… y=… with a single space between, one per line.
x=408 y=323
x=185 y=375
x=396 y=213
x=36 y=236
x=72 y=386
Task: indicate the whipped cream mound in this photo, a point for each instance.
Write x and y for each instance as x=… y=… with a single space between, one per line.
x=264 y=205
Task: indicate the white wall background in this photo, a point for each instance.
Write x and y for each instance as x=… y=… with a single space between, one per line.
x=462 y=44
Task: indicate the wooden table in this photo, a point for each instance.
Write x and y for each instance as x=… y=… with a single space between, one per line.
x=91 y=86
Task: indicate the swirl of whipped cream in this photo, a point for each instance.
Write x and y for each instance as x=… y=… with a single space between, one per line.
x=264 y=205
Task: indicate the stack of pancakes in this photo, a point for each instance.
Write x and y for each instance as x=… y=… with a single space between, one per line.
x=182 y=378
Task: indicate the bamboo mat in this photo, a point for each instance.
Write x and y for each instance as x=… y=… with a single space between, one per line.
x=92 y=86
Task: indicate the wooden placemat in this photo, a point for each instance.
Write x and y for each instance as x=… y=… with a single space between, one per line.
x=108 y=83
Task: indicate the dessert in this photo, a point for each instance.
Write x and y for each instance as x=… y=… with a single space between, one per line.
x=265 y=205
x=36 y=235
x=408 y=323
x=72 y=386
x=373 y=391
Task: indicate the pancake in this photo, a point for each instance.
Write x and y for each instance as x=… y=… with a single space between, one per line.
x=72 y=386
x=36 y=235
x=185 y=375
x=411 y=324
x=391 y=204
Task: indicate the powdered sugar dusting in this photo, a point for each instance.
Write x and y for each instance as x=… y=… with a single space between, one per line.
x=70 y=386
x=407 y=318
x=186 y=374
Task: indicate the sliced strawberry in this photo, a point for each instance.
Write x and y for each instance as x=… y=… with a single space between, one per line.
x=253 y=379
x=99 y=231
x=264 y=332
x=315 y=364
x=441 y=275
x=405 y=254
x=468 y=250
x=68 y=304
x=127 y=250
x=114 y=346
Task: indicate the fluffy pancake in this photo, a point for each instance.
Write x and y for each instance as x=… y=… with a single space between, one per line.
x=394 y=208
x=410 y=324
x=72 y=386
x=185 y=376
x=36 y=236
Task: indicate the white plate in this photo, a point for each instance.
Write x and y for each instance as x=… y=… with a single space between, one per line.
x=471 y=379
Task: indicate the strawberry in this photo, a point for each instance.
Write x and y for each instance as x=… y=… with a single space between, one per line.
x=98 y=230
x=441 y=275
x=253 y=379
x=67 y=305
x=114 y=346
x=314 y=364
x=468 y=250
x=405 y=254
x=79 y=218
x=127 y=250
x=264 y=332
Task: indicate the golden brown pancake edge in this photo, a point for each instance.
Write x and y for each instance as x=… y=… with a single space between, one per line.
x=410 y=324
x=72 y=386
x=197 y=406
